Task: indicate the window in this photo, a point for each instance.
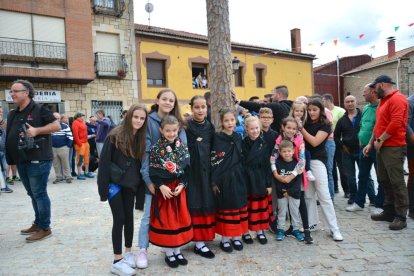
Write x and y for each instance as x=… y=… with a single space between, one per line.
x=109 y=7
x=34 y=40
x=113 y=109
x=156 y=72
x=108 y=60
x=199 y=75
x=238 y=77
x=259 y=78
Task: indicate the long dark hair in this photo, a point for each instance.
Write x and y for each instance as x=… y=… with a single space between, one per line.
x=176 y=109
x=322 y=115
x=123 y=135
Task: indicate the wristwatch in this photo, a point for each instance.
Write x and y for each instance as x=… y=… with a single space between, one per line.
x=379 y=140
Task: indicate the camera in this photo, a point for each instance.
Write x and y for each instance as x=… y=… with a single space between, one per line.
x=26 y=142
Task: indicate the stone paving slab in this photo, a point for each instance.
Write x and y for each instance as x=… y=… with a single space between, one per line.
x=81 y=243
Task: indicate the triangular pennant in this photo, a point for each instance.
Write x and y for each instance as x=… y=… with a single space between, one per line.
x=335 y=41
x=411 y=24
x=322 y=43
x=347 y=37
x=361 y=35
x=396 y=28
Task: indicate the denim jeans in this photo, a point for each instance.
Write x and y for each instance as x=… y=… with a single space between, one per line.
x=330 y=151
x=365 y=182
x=348 y=161
x=143 y=235
x=34 y=177
x=3 y=169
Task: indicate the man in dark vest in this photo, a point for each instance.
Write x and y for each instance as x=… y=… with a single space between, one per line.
x=29 y=146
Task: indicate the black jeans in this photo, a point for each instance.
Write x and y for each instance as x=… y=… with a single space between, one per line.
x=122 y=207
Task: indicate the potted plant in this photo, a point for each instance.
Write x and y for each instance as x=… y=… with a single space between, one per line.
x=121 y=74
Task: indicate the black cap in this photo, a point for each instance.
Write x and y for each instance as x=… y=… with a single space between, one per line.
x=382 y=78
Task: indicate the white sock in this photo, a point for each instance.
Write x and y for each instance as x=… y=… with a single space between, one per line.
x=169 y=252
x=177 y=251
x=260 y=232
x=200 y=245
x=224 y=240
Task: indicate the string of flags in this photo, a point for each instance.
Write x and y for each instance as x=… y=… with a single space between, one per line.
x=362 y=36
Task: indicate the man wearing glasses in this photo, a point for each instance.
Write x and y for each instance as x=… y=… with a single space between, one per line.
x=388 y=139
x=29 y=146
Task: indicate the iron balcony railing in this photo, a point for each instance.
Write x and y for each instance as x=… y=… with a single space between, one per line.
x=109 y=7
x=34 y=51
x=110 y=65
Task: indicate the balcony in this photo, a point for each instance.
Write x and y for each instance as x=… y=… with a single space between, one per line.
x=109 y=7
x=108 y=65
x=33 y=51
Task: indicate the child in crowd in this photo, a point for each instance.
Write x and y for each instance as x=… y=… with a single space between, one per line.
x=170 y=221
x=200 y=133
x=288 y=185
x=289 y=132
x=269 y=135
x=298 y=111
x=228 y=180
x=259 y=180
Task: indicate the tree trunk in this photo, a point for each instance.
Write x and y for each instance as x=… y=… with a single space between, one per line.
x=219 y=50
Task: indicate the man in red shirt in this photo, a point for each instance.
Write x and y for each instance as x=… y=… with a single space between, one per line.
x=389 y=141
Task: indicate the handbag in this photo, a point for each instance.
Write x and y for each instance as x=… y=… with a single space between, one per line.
x=117 y=173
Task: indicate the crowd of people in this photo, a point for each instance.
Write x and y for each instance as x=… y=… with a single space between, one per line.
x=193 y=182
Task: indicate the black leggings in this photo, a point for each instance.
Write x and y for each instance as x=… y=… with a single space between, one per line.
x=122 y=207
x=303 y=211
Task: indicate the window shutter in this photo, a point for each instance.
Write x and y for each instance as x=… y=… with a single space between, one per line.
x=15 y=25
x=50 y=29
x=107 y=43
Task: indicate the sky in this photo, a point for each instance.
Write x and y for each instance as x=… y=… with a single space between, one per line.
x=267 y=23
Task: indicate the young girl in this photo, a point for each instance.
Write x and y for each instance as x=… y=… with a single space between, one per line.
x=125 y=147
x=228 y=180
x=166 y=103
x=289 y=132
x=298 y=111
x=315 y=132
x=259 y=180
x=170 y=220
x=200 y=197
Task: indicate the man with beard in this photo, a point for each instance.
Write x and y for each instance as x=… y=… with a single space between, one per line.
x=388 y=139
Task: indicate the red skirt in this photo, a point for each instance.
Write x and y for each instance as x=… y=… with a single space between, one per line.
x=204 y=227
x=232 y=223
x=170 y=221
x=260 y=212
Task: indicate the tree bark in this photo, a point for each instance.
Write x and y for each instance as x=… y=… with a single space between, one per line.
x=219 y=50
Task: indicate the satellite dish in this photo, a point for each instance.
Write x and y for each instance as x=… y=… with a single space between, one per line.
x=149 y=7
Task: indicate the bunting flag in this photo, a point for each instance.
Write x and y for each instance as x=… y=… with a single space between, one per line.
x=361 y=36
x=335 y=41
x=411 y=24
x=322 y=43
x=347 y=37
x=396 y=28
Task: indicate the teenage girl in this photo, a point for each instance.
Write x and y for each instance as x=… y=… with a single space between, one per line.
x=289 y=132
x=200 y=196
x=170 y=221
x=166 y=103
x=298 y=111
x=125 y=147
x=228 y=180
x=259 y=180
x=315 y=133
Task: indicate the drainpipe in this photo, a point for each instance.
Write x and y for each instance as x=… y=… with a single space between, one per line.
x=397 y=74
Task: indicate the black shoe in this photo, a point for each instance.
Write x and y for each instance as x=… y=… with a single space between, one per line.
x=336 y=191
x=74 y=174
x=288 y=233
x=237 y=245
x=208 y=254
x=180 y=259
x=171 y=261
x=308 y=238
x=262 y=238
x=350 y=201
x=247 y=238
x=382 y=217
x=398 y=224
x=228 y=248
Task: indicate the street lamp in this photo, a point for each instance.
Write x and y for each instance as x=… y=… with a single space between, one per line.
x=235 y=64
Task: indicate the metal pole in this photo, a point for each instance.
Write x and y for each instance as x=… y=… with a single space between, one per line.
x=339 y=84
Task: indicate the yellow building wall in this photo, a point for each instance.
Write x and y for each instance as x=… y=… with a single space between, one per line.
x=295 y=73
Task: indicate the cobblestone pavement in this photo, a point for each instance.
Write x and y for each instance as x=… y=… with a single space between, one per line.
x=81 y=243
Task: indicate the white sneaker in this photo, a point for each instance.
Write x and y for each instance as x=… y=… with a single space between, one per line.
x=353 y=208
x=142 y=259
x=129 y=258
x=310 y=176
x=336 y=235
x=122 y=268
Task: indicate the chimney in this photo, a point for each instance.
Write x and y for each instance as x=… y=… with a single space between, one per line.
x=295 y=40
x=391 y=46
